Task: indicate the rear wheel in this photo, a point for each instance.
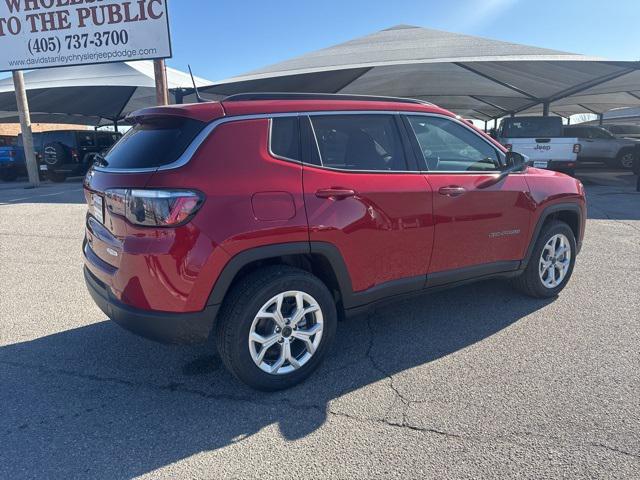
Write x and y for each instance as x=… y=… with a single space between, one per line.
x=275 y=327
x=551 y=264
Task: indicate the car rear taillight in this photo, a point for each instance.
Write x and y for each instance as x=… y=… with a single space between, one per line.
x=577 y=148
x=74 y=154
x=154 y=208
x=509 y=147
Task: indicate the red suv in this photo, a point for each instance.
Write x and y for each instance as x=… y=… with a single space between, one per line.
x=261 y=219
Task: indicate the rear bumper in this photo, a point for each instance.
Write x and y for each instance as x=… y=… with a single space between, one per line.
x=171 y=328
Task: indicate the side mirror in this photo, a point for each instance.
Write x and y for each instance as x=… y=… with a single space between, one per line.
x=516 y=161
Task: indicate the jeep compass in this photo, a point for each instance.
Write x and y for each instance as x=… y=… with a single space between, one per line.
x=260 y=220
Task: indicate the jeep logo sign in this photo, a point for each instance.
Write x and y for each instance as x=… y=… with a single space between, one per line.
x=59 y=33
x=543 y=148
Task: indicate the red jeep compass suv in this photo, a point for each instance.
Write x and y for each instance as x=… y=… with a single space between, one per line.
x=260 y=219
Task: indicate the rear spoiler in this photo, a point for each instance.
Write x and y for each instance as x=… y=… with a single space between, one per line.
x=203 y=112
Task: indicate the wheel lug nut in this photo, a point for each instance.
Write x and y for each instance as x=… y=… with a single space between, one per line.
x=281 y=340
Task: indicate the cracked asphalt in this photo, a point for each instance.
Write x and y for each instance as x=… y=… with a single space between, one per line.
x=476 y=382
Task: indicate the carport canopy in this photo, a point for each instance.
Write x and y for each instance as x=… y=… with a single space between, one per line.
x=91 y=95
x=472 y=76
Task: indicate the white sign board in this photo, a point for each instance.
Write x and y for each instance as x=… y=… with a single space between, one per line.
x=57 y=33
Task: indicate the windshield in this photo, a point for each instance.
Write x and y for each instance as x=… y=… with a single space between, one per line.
x=532 y=127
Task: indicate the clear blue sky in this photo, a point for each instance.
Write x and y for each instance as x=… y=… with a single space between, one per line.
x=225 y=38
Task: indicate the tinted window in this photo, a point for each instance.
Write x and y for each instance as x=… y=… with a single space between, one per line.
x=153 y=144
x=450 y=147
x=359 y=142
x=37 y=141
x=285 y=137
x=532 y=127
x=624 y=129
x=576 y=132
x=600 y=133
x=7 y=141
x=106 y=139
x=66 y=138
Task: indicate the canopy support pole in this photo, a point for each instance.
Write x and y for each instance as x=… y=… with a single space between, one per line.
x=545 y=109
x=115 y=125
x=25 y=127
x=486 y=126
x=162 y=92
x=600 y=119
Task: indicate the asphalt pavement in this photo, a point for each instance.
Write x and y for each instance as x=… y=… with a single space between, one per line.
x=476 y=382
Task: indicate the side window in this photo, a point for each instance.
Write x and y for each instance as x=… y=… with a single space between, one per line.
x=285 y=137
x=359 y=142
x=449 y=147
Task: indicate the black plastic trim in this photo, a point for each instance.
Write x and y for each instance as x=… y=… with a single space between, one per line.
x=440 y=279
x=548 y=211
x=163 y=327
x=243 y=259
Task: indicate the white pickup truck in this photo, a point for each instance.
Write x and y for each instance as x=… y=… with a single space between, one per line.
x=541 y=140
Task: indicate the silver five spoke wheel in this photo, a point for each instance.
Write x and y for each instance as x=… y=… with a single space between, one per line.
x=555 y=261
x=286 y=333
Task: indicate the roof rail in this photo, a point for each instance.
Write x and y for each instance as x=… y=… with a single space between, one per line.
x=241 y=97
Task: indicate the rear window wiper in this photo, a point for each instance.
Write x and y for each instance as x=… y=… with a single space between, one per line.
x=100 y=161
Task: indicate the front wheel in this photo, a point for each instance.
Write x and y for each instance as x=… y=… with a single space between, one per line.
x=625 y=159
x=275 y=327
x=551 y=264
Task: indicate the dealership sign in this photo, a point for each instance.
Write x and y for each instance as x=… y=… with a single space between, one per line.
x=56 y=33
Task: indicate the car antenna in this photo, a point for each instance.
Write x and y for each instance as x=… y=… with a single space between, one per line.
x=195 y=87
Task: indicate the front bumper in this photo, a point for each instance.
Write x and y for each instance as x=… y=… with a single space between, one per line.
x=171 y=328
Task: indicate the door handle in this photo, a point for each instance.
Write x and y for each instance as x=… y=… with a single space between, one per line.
x=452 y=191
x=335 y=193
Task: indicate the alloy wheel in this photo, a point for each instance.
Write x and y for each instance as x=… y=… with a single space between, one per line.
x=555 y=261
x=627 y=160
x=286 y=333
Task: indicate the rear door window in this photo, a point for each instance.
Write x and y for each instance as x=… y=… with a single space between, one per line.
x=359 y=142
x=154 y=143
x=285 y=138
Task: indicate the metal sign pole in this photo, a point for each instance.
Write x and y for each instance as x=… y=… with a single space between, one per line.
x=162 y=91
x=25 y=126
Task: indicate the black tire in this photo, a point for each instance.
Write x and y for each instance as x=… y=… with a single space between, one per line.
x=10 y=175
x=241 y=305
x=624 y=160
x=529 y=282
x=57 y=177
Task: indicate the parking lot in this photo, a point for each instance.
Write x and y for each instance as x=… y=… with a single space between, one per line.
x=477 y=382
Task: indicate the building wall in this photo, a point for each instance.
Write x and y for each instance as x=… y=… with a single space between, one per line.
x=14 y=128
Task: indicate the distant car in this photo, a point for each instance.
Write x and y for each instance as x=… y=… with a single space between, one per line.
x=624 y=131
x=599 y=145
x=72 y=152
x=12 y=159
x=542 y=140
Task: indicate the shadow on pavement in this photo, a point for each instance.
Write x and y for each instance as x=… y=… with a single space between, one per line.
x=97 y=401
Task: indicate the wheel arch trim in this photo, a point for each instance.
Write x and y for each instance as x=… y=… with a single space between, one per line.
x=546 y=213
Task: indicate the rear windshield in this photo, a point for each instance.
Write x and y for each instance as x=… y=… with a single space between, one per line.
x=153 y=144
x=532 y=127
